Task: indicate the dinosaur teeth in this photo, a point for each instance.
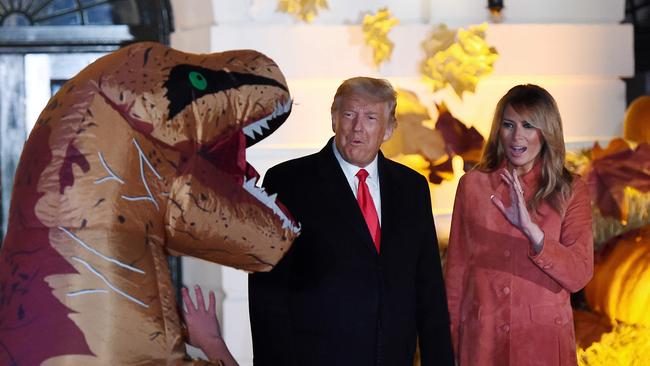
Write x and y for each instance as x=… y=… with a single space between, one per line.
x=269 y=201
x=258 y=127
x=249 y=132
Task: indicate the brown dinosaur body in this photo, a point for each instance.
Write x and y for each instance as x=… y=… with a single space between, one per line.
x=141 y=154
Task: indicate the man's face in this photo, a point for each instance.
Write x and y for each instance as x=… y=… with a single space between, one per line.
x=360 y=127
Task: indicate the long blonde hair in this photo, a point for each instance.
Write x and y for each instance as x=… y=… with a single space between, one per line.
x=540 y=110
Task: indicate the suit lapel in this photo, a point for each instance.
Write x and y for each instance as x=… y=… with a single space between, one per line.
x=340 y=197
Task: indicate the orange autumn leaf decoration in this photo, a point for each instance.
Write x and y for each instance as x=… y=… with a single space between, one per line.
x=436 y=145
x=612 y=170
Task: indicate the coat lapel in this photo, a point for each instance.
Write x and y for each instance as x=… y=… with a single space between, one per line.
x=390 y=203
x=340 y=197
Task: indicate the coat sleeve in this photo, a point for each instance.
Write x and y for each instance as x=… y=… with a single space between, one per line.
x=570 y=261
x=456 y=264
x=432 y=313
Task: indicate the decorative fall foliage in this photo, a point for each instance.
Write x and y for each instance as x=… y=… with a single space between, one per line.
x=305 y=10
x=375 y=29
x=429 y=148
x=624 y=345
x=632 y=201
x=614 y=169
x=459 y=58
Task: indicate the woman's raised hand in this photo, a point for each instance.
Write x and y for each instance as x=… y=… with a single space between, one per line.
x=517 y=213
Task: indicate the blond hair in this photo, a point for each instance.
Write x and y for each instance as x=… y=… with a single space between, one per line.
x=374 y=90
x=540 y=110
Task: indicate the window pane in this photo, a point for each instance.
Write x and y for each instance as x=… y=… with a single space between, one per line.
x=5 y=3
x=101 y=14
x=37 y=4
x=56 y=7
x=67 y=19
x=85 y=3
x=16 y=19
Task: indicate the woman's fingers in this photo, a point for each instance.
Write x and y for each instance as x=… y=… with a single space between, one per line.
x=506 y=178
x=517 y=183
x=512 y=191
x=497 y=202
x=512 y=180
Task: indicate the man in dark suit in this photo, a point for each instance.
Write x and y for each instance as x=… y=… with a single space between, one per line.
x=363 y=280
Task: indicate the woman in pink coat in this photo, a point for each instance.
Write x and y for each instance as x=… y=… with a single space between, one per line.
x=520 y=241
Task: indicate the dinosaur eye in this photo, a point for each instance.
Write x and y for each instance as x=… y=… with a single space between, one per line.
x=198 y=80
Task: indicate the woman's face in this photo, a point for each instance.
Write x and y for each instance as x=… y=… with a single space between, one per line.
x=521 y=141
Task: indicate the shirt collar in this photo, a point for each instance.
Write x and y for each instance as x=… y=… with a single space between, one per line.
x=351 y=170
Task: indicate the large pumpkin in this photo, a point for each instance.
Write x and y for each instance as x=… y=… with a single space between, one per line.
x=636 y=126
x=620 y=287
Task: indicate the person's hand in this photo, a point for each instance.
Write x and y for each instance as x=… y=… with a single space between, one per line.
x=203 y=327
x=202 y=324
x=517 y=213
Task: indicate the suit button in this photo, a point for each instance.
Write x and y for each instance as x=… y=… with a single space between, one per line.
x=558 y=320
x=505 y=328
x=506 y=253
x=506 y=290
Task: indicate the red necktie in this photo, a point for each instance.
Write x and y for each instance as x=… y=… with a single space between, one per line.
x=368 y=209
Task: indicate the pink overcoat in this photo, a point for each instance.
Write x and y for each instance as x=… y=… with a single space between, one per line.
x=507 y=305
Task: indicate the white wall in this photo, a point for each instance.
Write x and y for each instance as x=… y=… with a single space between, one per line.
x=577 y=49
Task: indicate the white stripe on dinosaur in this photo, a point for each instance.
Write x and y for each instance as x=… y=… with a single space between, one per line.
x=97 y=253
x=85 y=292
x=111 y=174
x=149 y=197
x=110 y=285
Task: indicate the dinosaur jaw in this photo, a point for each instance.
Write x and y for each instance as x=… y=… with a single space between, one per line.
x=258 y=130
x=228 y=155
x=269 y=200
x=255 y=132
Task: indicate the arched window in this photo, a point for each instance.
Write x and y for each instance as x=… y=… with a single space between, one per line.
x=82 y=25
x=62 y=36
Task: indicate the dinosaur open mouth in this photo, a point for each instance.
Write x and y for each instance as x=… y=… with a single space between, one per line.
x=269 y=200
x=258 y=130
x=255 y=132
x=229 y=156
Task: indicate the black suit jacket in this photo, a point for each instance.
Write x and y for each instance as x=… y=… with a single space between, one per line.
x=332 y=300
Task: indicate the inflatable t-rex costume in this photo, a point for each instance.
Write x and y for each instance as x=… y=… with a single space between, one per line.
x=141 y=154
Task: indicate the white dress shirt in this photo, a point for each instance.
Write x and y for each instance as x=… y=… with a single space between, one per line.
x=350 y=171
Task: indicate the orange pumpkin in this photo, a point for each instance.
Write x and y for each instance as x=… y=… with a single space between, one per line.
x=637 y=120
x=620 y=287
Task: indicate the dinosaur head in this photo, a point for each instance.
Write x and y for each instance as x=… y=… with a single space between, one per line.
x=209 y=109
